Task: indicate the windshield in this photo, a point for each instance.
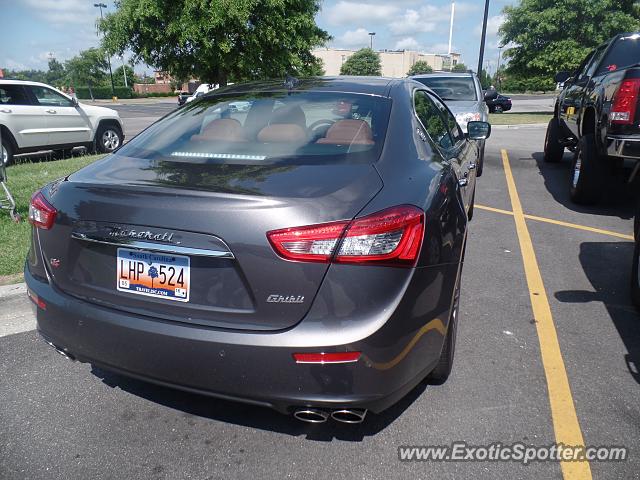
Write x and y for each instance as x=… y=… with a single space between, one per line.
x=452 y=88
x=283 y=127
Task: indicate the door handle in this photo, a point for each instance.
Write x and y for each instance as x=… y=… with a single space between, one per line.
x=463 y=182
x=5 y=110
x=472 y=166
x=51 y=111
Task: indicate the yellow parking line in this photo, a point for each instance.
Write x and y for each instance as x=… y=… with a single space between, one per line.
x=561 y=223
x=563 y=412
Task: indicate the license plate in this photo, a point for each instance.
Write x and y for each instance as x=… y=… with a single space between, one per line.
x=158 y=275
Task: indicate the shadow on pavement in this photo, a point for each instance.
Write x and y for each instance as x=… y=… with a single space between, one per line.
x=257 y=417
x=608 y=268
x=619 y=199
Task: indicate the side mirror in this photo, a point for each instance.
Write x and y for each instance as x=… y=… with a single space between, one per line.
x=478 y=130
x=74 y=101
x=561 y=77
x=490 y=95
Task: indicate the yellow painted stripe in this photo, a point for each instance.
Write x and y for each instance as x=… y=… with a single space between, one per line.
x=563 y=412
x=561 y=223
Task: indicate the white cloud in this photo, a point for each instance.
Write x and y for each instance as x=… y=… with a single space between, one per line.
x=65 y=12
x=493 y=25
x=354 y=38
x=12 y=64
x=408 y=43
x=410 y=23
x=428 y=18
x=343 y=13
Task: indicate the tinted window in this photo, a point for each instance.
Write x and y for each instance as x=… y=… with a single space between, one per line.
x=451 y=88
x=595 y=61
x=50 y=98
x=13 y=95
x=452 y=123
x=624 y=53
x=432 y=120
x=289 y=127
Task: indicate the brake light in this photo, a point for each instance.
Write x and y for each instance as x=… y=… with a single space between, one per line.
x=390 y=237
x=41 y=304
x=322 y=358
x=625 y=102
x=41 y=213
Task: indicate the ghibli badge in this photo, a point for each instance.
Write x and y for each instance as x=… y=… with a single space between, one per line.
x=282 y=299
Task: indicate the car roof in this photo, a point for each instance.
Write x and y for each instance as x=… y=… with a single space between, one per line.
x=346 y=84
x=444 y=74
x=5 y=81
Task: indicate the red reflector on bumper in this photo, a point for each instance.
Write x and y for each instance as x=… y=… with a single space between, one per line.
x=321 y=358
x=36 y=300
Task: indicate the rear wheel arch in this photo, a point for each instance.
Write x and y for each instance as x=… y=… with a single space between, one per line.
x=108 y=122
x=588 y=124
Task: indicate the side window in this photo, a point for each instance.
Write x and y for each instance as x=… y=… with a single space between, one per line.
x=595 y=61
x=431 y=119
x=13 y=95
x=452 y=123
x=582 y=68
x=49 y=98
x=624 y=53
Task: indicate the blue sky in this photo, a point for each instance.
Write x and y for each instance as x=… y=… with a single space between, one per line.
x=32 y=29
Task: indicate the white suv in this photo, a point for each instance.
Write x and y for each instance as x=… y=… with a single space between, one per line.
x=35 y=116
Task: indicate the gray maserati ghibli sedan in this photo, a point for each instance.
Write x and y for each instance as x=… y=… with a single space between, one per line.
x=303 y=253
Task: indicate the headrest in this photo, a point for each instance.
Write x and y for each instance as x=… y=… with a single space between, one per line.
x=349 y=132
x=283 y=133
x=222 y=129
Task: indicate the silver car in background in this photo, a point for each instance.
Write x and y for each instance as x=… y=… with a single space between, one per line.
x=464 y=96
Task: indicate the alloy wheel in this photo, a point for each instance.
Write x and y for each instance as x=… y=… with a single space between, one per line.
x=110 y=140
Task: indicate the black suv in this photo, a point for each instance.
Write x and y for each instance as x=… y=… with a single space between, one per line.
x=597 y=118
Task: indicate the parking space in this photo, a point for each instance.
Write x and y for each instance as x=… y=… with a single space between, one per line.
x=533 y=365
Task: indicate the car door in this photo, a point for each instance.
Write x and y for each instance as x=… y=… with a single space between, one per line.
x=66 y=123
x=26 y=120
x=442 y=128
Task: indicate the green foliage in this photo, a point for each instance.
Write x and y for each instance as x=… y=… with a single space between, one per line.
x=56 y=75
x=459 y=67
x=515 y=84
x=554 y=35
x=314 y=69
x=83 y=93
x=118 y=75
x=420 y=67
x=364 y=62
x=485 y=79
x=30 y=75
x=217 y=41
x=88 y=68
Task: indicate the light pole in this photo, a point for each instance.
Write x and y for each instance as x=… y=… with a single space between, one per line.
x=371 y=35
x=113 y=88
x=484 y=35
x=498 y=67
x=124 y=71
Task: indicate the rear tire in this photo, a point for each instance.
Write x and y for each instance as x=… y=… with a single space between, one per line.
x=441 y=373
x=553 y=151
x=635 y=276
x=498 y=109
x=589 y=177
x=108 y=138
x=6 y=152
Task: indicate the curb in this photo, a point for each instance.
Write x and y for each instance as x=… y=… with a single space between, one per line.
x=15 y=290
x=515 y=127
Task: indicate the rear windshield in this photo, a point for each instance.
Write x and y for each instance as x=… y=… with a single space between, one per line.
x=623 y=54
x=452 y=88
x=281 y=127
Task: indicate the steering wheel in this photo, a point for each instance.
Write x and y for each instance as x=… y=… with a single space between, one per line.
x=321 y=126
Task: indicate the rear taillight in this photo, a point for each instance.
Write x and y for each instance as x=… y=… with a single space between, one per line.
x=390 y=237
x=41 y=212
x=625 y=102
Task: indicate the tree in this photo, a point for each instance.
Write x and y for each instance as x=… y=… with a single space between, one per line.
x=88 y=68
x=217 y=41
x=118 y=75
x=30 y=75
x=420 y=67
x=459 y=67
x=364 y=62
x=56 y=75
x=485 y=79
x=553 y=35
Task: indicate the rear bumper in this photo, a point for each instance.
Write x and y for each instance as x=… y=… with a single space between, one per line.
x=623 y=146
x=398 y=348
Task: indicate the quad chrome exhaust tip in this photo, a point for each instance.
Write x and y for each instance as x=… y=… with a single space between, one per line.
x=66 y=355
x=311 y=415
x=349 y=415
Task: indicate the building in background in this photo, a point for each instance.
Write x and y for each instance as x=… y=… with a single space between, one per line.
x=395 y=63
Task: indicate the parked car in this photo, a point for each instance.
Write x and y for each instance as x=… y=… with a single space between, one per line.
x=200 y=91
x=182 y=97
x=635 y=270
x=35 y=116
x=596 y=117
x=286 y=257
x=463 y=94
x=499 y=104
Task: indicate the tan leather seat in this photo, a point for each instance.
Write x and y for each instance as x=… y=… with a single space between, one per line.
x=283 y=133
x=348 y=132
x=222 y=130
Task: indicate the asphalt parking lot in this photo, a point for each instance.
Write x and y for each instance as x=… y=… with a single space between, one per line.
x=548 y=350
